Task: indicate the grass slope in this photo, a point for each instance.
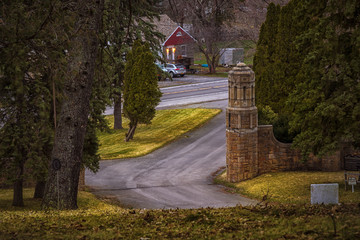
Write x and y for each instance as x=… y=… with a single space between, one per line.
x=291 y=187
x=166 y=127
x=99 y=220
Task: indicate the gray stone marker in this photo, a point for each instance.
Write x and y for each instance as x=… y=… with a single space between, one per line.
x=325 y=193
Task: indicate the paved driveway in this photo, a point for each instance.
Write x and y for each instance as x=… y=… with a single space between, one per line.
x=176 y=176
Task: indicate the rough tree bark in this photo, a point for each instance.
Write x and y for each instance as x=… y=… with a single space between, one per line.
x=130 y=134
x=70 y=132
x=212 y=63
x=18 y=199
x=39 y=189
x=117 y=105
x=117 y=112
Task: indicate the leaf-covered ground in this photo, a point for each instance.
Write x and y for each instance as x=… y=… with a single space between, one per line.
x=165 y=127
x=97 y=219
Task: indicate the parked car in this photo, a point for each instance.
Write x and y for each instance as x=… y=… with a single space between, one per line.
x=162 y=72
x=175 y=70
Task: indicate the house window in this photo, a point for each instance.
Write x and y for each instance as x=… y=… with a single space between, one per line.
x=173 y=53
x=183 y=50
x=179 y=34
x=167 y=53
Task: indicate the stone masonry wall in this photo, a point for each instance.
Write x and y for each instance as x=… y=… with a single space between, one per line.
x=274 y=156
x=241 y=125
x=241 y=155
x=253 y=150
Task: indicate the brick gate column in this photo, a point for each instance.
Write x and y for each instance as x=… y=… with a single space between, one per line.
x=241 y=125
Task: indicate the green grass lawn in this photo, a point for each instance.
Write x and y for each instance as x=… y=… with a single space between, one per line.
x=96 y=219
x=86 y=202
x=291 y=218
x=291 y=187
x=220 y=71
x=167 y=126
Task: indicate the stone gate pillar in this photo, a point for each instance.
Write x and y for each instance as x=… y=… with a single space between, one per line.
x=241 y=125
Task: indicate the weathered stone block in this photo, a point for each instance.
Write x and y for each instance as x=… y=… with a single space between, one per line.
x=325 y=193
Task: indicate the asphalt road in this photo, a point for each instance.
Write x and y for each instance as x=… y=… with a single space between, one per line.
x=180 y=174
x=190 y=89
x=212 y=90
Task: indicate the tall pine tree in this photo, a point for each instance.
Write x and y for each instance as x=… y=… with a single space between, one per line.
x=30 y=40
x=312 y=78
x=279 y=58
x=67 y=155
x=326 y=101
x=124 y=22
x=264 y=56
x=141 y=91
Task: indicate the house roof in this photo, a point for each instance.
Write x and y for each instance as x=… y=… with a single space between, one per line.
x=165 y=25
x=178 y=37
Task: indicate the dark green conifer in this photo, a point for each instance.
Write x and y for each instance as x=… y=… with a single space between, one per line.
x=125 y=21
x=287 y=58
x=141 y=92
x=26 y=78
x=326 y=100
x=264 y=56
x=312 y=78
x=279 y=59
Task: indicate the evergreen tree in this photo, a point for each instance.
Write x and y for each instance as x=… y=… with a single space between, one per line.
x=275 y=49
x=124 y=22
x=326 y=100
x=34 y=38
x=287 y=59
x=62 y=182
x=264 y=56
x=281 y=69
x=312 y=79
x=27 y=31
x=96 y=122
x=141 y=92
x=279 y=58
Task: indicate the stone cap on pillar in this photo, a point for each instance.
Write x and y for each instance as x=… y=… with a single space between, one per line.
x=242 y=73
x=241 y=87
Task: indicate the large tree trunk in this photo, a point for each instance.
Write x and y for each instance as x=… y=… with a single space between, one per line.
x=212 y=62
x=117 y=112
x=212 y=67
x=18 y=199
x=117 y=103
x=130 y=134
x=62 y=185
x=39 y=189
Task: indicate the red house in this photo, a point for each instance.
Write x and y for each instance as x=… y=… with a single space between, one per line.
x=179 y=47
